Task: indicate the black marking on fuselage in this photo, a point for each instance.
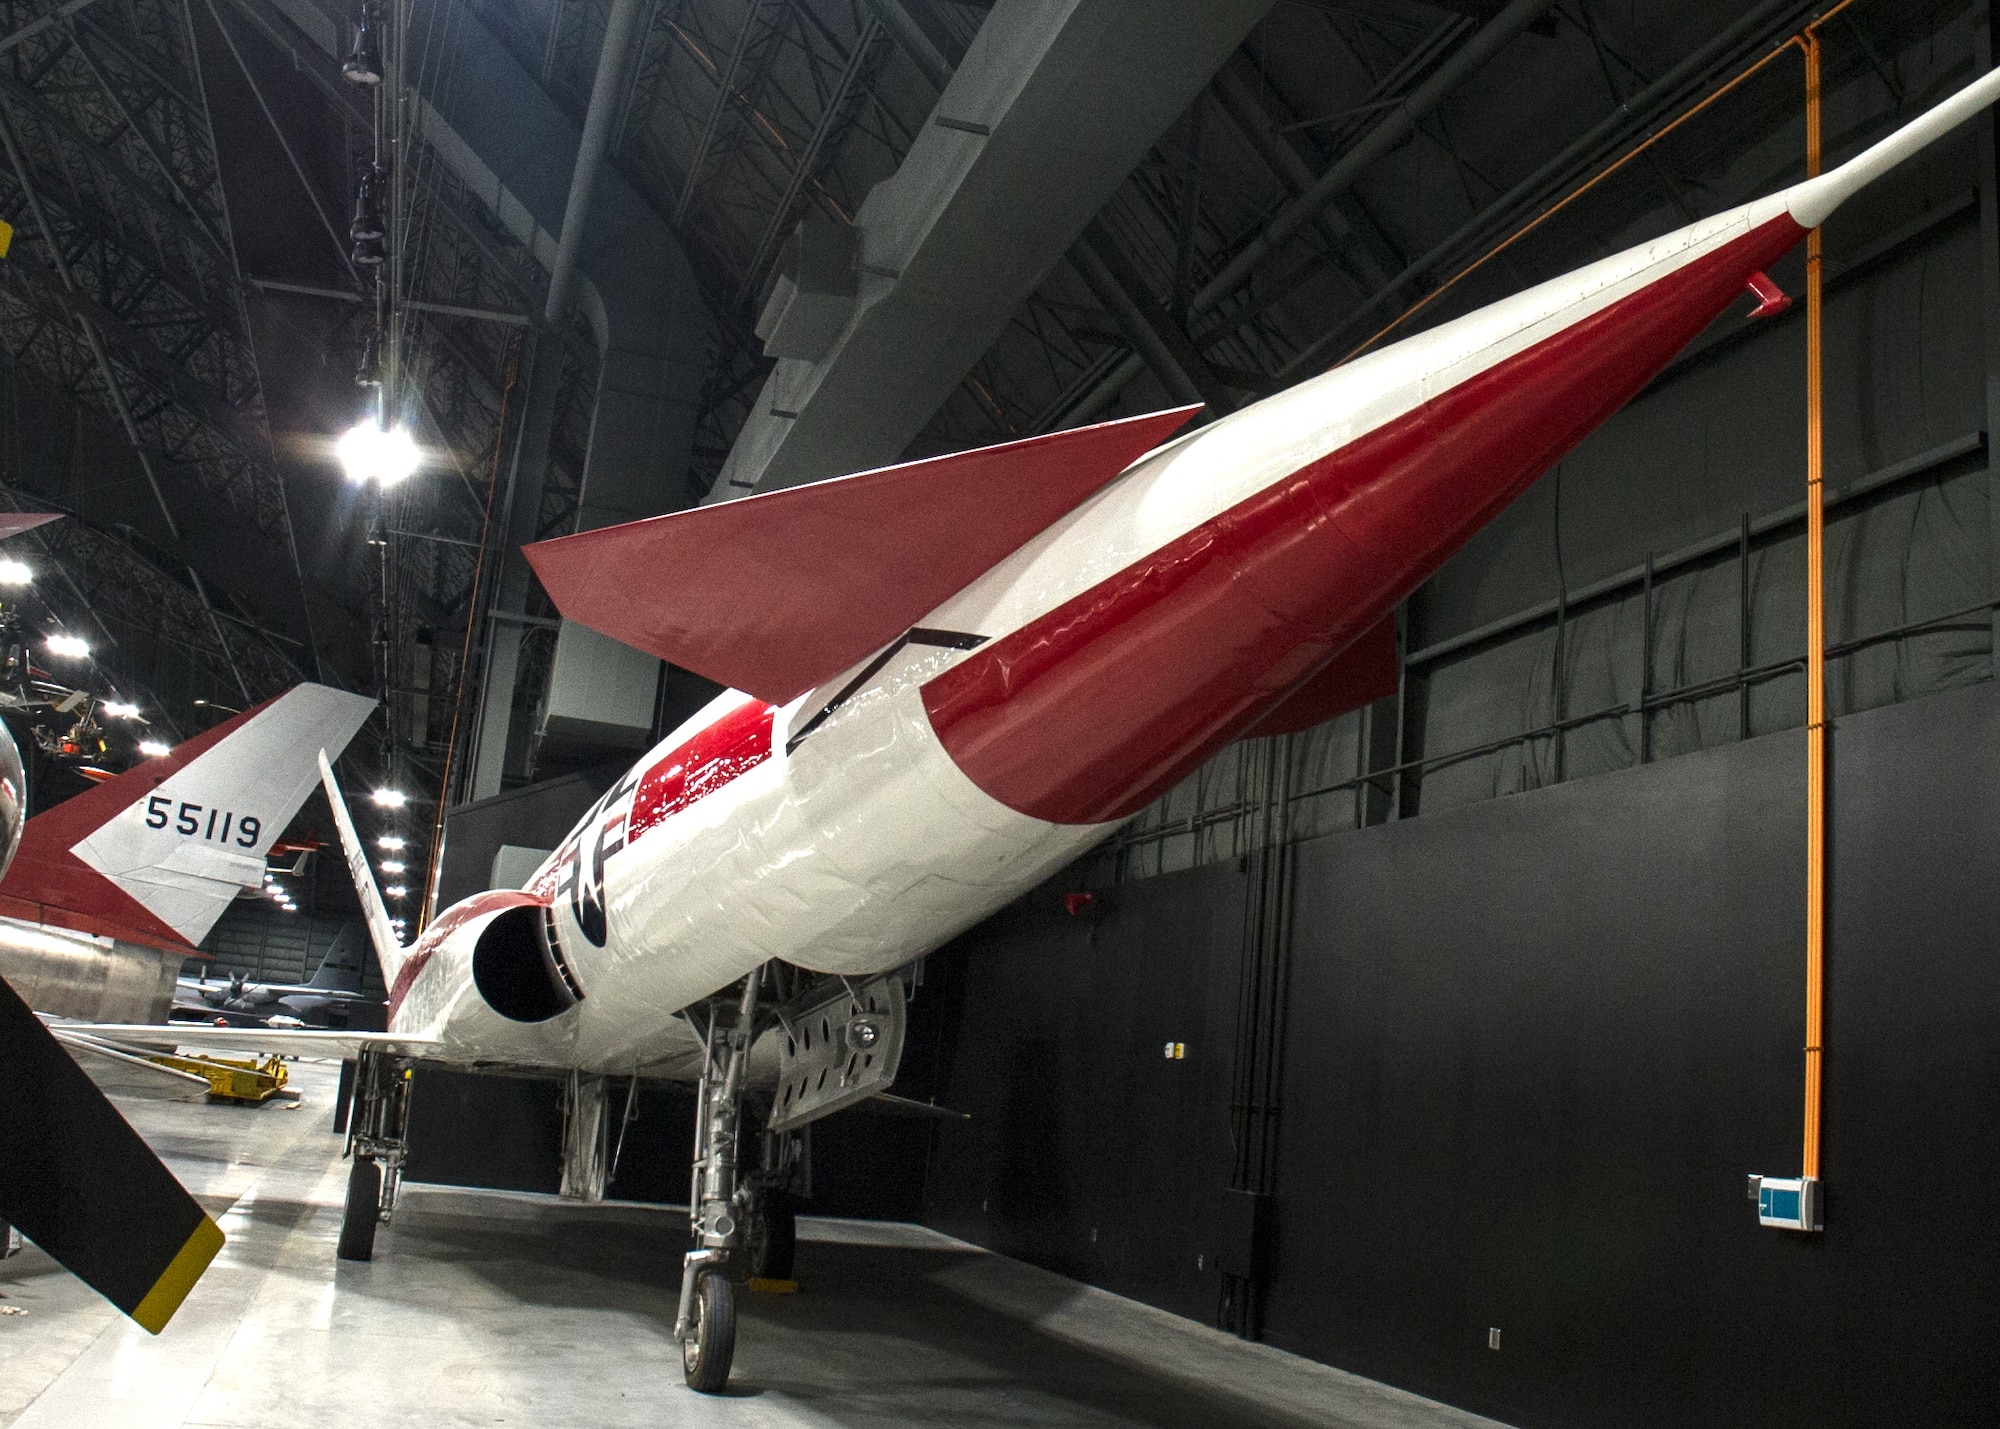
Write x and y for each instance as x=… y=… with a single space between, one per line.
x=915 y=635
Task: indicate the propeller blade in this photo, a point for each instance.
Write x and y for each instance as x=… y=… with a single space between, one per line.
x=78 y=1181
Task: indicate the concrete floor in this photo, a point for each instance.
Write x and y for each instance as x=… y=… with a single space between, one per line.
x=486 y=1309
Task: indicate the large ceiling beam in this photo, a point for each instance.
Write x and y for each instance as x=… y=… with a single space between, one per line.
x=1050 y=110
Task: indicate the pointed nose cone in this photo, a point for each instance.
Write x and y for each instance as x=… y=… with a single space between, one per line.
x=1813 y=202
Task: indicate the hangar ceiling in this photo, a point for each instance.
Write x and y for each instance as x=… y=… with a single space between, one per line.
x=182 y=322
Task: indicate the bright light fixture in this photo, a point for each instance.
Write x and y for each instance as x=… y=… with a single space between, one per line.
x=392 y=842
x=390 y=798
x=118 y=709
x=153 y=749
x=69 y=647
x=367 y=453
x=13 y=572
x=395 y=890
x=390 y=865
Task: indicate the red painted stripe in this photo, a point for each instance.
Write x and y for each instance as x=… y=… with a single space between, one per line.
x=727 y=749
x=479 y=905
x=1092 y=711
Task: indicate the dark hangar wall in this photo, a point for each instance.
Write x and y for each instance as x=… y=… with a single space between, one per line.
x=1533 y=1046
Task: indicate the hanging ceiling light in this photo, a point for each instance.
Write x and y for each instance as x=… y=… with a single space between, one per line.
x=364 y=61
x=68 y=647
x=368 y=453
x=13 y=572
x=369 y=253
x=367 y=221
x=153 y=748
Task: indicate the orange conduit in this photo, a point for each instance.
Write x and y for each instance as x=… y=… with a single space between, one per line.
x=1815 y=647
x=1808 y=43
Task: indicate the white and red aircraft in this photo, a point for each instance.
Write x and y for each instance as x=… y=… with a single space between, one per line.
x=952 y=677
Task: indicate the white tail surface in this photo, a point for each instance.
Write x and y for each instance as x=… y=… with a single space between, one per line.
x=187 y=847
x=389 y=950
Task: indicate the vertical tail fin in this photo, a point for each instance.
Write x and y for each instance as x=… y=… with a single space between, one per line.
x=345 y=963
x=389 y=950
x=156 y=854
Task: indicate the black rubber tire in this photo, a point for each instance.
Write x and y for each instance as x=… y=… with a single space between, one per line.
x=363 y=1213
x=780 y=1239
x=711 y=1345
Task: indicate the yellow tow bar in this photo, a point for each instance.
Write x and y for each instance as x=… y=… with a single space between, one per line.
x=231 y=1079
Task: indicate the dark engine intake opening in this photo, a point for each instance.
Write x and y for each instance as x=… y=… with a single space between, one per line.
x=515 y=971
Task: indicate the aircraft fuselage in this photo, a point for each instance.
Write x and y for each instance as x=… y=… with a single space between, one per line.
x=870 y=820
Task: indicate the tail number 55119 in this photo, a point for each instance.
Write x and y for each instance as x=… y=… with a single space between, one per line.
x=208 y=824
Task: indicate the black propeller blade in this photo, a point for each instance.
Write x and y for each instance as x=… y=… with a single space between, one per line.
x=74 y=1176
x=78 y=1181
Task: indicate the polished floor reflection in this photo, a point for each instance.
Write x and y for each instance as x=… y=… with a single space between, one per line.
x=487 y=1309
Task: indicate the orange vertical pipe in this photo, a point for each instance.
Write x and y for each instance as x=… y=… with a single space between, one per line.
x=1815 y=649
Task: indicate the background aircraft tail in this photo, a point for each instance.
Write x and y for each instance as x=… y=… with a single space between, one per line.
x=345 y=962
x=155 y=855
x=389 y=949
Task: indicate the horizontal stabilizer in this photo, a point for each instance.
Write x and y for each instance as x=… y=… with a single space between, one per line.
x=13 y=523
x=80 y=1183
x=774 y=594
x=1363 y=673
x=236 y=1041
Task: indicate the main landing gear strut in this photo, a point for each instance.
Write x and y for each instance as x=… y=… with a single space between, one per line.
x=741 y=1216
x=377 y=1139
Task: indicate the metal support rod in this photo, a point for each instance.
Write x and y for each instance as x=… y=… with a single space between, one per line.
x=1646 y=663
x=250 y=336
x=145 y=139
x=298 y=170
x=605 y=90
x=1815 y=646
x=725 y=85
x=35 y=27
x=912 y=41
x=1743 y=624
x=521 y=505
x=1394 y=129
x=1660 y=93
x=1988 y=131
x=808 y=161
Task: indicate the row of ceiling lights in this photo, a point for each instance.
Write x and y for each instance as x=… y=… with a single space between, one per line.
x=61 y=645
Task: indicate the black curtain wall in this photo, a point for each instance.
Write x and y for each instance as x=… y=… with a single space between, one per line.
x=1532 y=1049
